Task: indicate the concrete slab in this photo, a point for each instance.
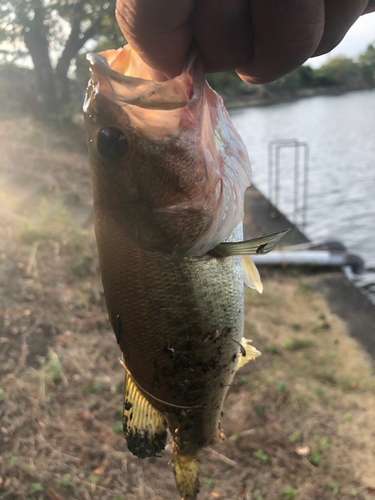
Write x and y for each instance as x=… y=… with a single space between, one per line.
x=262 y=217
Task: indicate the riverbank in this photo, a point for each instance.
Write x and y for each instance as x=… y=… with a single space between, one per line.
x=263 y=98
x=299 y=420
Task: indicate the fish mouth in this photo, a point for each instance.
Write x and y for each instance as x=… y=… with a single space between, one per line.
x=126 y=87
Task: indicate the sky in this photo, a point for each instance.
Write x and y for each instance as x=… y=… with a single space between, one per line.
x=360 y=35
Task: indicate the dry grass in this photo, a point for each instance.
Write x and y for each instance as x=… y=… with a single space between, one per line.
x=299 y=421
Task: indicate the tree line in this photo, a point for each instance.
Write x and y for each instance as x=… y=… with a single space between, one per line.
x=340 y=73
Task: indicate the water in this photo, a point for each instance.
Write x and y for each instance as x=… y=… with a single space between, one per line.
x=340 y=131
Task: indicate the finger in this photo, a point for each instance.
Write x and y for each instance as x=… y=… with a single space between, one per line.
x=159 y=30
x=370 y=7
x=340 y=15
x=286 y=33
x=223 y=33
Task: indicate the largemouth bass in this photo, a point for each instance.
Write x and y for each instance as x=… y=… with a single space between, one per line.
x=169 y=173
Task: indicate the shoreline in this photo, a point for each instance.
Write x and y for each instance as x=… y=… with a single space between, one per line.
x=250 y=101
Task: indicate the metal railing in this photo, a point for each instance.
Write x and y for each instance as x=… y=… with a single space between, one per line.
x=274 y=147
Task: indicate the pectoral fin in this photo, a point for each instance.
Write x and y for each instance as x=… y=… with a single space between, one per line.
x=144 y=426
x=257 y=246
x=251 y=276
x=247 y=353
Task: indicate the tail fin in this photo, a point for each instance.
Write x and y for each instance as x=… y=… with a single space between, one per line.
x=186 y=475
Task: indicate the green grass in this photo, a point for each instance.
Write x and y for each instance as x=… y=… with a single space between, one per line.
x=298 y=344
x=335 y=487
x=52 y=223
x=290 y=493
x=272 y=349
x=260 y=456
x=296 y=327
x=35 y=488
x=52 y=368
x=258 y=410
x=92 y=387
x=209 y=482
x=305 y=288
x=81 y=266
x=296 y=437
x=318 y=451
x=282 y=387
x=118 y=427
x=66 y=481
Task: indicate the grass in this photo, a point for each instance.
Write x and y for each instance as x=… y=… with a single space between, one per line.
x=52 y=368
x=260 y=456
x=61 y=430
x=335 y=487
x=209 y=482
x=296 y=437
x=92 y=387
x=290 y=493
x=298 y=344
x=118 y=427
x=66 y=482
x=319 y=450
x=51 y=223
x=272 y=349
x=35 y=488
x=81 y=266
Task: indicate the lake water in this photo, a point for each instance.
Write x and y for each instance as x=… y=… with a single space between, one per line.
x=340 y=132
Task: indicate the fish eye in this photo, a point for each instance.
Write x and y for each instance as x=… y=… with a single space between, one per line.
x=112 y=143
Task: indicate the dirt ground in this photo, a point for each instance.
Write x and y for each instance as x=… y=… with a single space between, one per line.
x=299 y=420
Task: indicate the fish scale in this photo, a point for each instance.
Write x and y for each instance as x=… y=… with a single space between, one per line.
x=192 y=305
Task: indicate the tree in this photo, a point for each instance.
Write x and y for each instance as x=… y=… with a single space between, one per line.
x=367 y=65
x=52 y=32
x=339 y=71
x=228 y=84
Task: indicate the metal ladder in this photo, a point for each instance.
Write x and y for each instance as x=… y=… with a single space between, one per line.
x=274 y=147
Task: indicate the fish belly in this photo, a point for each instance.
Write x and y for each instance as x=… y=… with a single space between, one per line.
x=179 y=324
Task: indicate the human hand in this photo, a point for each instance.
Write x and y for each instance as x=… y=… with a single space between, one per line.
x=262 y=39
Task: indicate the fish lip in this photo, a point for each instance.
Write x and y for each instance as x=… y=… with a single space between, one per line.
x=98 y=64
x=149 y=94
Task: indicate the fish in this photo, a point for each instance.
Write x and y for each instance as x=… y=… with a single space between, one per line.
x=169 y=173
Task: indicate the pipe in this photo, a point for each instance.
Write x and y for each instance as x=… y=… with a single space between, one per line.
x=311 y=258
